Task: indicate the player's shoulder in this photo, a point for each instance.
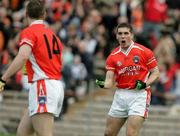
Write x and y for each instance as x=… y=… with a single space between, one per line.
x=141 y=47
x=115 y=51
x=27 y=30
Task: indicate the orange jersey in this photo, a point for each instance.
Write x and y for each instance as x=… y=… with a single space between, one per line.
x=131 y=66
x=45 y=62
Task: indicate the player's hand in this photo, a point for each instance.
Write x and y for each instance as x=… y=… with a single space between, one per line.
x=140 y=85
x=100 y=82
x=2 y=84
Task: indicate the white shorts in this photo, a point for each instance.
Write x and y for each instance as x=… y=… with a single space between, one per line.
x=130 y=102
x=46 y=96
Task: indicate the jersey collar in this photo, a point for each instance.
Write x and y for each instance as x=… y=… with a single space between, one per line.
x=37 y=22
x=128 y=50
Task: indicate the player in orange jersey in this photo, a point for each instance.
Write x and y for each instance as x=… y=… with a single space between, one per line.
x=41 y=49
x=134 y=68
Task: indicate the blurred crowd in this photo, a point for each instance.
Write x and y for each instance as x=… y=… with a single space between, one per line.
x=87 y=31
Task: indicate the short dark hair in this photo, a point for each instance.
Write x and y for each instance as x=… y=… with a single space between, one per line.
x=35 y=9
x=125 y=25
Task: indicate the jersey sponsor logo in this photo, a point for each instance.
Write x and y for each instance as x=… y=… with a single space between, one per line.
x=136 y=59
x=129 y=70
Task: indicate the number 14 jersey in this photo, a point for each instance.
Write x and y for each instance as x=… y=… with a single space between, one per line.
x=45 y=62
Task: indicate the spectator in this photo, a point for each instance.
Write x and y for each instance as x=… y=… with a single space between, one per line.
x=155 y=13
x=78 y=77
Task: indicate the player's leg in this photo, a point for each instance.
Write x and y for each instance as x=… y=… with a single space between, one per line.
x=138 y=111
x=25 y=127
x=117 y=114
x=49 y=94
x=134 y=124
x=43 y=124
x=113 y=125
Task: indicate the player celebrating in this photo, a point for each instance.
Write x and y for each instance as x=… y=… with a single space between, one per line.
x=134 y=68
x=41 y=49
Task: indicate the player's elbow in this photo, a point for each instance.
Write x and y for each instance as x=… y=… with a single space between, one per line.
x=157 y=74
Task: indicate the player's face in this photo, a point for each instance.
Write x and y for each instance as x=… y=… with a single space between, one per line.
x=124 y=37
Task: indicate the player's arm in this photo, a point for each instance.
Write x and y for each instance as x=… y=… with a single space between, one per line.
x=18 y=62
x=108 y=82
x=151 y=64
x=154 y=75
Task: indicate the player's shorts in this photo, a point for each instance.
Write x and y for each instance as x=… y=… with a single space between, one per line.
x=130 y=102
x=46 y=96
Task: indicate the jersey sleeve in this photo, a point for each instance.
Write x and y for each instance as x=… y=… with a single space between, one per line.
x=151 y=61
x=27 y=37
x=110 y=64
